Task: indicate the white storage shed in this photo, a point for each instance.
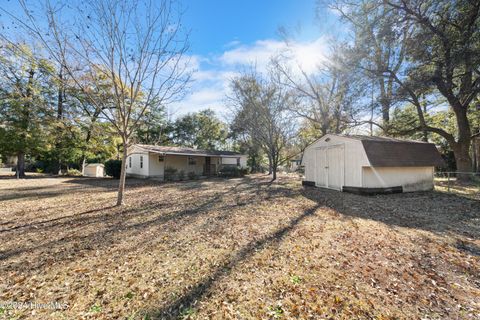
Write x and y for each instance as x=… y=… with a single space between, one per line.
x=365 y=164
x=96 y=170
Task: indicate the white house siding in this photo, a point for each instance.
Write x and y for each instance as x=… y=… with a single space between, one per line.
x=135 y=169
x=233 y=161
x=410 y=178
x=348 y=163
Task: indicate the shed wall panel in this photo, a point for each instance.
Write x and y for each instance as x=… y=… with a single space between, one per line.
x=410 y=178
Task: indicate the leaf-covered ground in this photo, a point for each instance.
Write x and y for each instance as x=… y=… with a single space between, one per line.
x=470 y=189
x=235 y=249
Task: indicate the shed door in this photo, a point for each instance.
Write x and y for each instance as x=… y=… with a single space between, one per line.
x=321 y=167
x=335 y=167
x=329 y=164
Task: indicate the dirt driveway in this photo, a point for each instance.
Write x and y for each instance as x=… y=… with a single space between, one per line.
x=235 y=249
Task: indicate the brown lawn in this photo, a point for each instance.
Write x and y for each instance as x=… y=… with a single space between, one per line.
x=235 y=249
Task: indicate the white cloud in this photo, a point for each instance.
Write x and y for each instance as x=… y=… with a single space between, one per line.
x=308 y=55
x=211 y=80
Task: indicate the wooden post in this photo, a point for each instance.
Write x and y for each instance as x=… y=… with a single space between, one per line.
x=448 y=181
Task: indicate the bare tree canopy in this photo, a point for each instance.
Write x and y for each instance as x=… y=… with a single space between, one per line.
x=261 y=111
x=136 y=49
x=325 y=98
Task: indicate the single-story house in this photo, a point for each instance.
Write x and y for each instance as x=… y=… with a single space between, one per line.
x=365 y=164
x=146 y=161
x=96 y=170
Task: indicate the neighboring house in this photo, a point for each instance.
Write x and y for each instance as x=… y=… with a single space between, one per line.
x=151 y=161
x=294 y=165
x=364 y=164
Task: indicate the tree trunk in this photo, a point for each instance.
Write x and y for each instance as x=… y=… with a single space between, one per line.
x=20 y=165
x=424 y=131
x=476 y=154
x=463 y=160
x=385 y=116
x=269 y=164
x=462 y=148
x=57 y=168
x=275 y=161
x=84 y=160
x=123 y=173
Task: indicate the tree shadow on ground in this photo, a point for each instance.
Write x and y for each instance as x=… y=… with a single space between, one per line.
x=440 y=214
x=28 y=176
x=174 y=308
x=105 y=225
x=76 y=236
x=430 y=211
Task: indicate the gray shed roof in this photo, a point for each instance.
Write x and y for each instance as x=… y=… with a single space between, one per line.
x=390 y=152
x=185 y=151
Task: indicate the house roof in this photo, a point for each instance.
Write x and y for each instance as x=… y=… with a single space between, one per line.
x=390 y=152
x=185 y=151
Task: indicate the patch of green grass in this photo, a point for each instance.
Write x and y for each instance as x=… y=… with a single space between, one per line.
x=275 y=311
x=187 y=313
x=295 y=279
x=95 y=308
x=129 y=295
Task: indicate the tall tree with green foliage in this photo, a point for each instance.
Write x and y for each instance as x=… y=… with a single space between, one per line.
x=155 y=128
x=441 y=51
x=24 y=102
x=202 y=130
x=445 y=55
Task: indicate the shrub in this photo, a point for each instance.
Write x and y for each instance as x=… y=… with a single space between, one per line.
x=192 y=175
x=113 y=168
x=39 y=170
x=33 y=166
x=181 y=175
x=170 y=173
x=73 y=173
x=231 y=171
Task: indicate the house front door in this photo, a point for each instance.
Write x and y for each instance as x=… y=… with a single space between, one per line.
x=208 y=166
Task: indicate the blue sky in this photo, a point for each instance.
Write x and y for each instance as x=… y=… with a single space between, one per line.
x=216 y=23
x=227 y=36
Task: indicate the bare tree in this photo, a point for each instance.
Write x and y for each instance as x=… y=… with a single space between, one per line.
x=378 y=46
x=325 y=97
x=260 y=108
x=137 y=48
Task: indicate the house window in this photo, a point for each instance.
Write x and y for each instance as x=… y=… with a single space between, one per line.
x=141 y=161
x=129 y=162
x=192 y=161
x=238 y=162
x=161 y=158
